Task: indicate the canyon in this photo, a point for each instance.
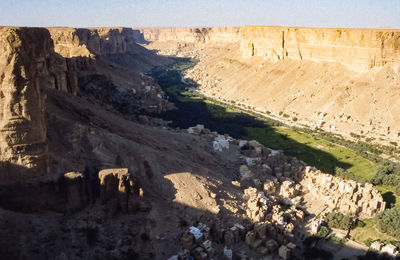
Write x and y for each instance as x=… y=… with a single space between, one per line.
x=88 y=170
x=345 y=81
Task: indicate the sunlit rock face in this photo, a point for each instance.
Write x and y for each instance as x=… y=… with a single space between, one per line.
x=193 y=35
x=71 y=42
x=359 y=49
x=23 y=66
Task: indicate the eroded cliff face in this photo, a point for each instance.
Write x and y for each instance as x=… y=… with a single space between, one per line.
x=23 y=67
x=103 y=64
x=192 y=35
x=80 y=42
x=359 y=49
x=82 y=47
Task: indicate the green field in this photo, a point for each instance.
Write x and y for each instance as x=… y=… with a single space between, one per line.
x=362 y=234
x=317 y=152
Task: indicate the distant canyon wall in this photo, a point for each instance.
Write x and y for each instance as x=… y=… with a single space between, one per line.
x=192 y=35
x=359 y=49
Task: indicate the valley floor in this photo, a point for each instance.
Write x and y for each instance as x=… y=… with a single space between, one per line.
x=315 y=147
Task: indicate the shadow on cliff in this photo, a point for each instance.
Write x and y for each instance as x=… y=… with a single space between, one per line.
x=192 y=110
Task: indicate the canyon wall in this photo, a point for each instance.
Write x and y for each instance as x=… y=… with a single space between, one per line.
x=35 y=59
x=359 y=49
x=23 y=68
x=81 y=42
x=192 y=35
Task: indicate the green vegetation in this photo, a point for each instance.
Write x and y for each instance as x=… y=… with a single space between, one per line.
x=323 y=232
x=388 y=222
x=337 y=240
x=316 y=151
x=339 y=220
x=388 y=174
x=368 y=233
x=328 y=152
x=368 y=242
x=356 y=160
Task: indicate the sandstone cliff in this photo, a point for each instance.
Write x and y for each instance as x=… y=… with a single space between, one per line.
x=106 y=64
x=192 y=35
x=359 y=49
x=113 y=44
x=23 y=67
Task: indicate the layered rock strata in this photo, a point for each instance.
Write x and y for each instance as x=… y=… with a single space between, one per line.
x=23 y=67
x=358 y=49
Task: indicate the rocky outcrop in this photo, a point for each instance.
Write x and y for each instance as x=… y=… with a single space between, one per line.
x=359 y=49
x=71 y=42
x=36 y=61
x=82 y=47
x=23 y=68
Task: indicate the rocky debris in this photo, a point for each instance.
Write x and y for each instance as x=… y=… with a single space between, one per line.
x=348 y=197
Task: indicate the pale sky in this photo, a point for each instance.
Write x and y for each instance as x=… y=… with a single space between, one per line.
x=200 y=13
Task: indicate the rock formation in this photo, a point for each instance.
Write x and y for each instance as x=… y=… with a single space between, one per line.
x=24 y=60
x=359 y=49
x=36 y=61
